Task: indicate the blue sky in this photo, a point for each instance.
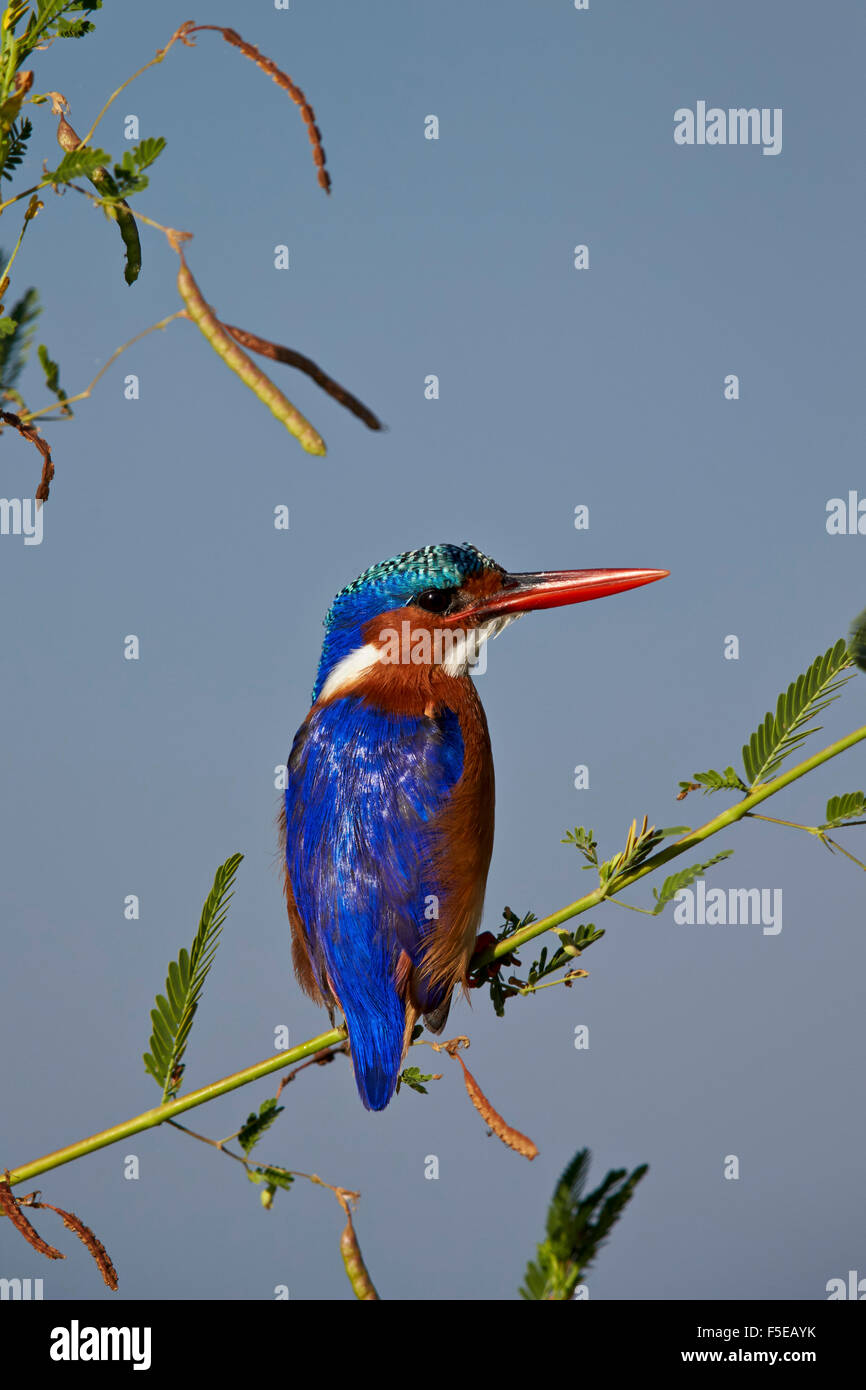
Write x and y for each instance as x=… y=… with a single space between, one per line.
x=558 y=387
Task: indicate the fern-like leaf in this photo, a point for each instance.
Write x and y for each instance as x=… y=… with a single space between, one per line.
x=674 y=882
x=174 y=1011
x=74 y=28
x=46 y=20
x=806 y=697
x=639 y=845
x=585 y=841
x=844 y=808
x=76 y=164
x=14 y=147
x=712 y=781
x=414 y=1078
x=576 y=1228
x=141 y=155
x=15 y=344
x=256 y=1125
x=857 y=640
x=52 y=377
x=270 y=1180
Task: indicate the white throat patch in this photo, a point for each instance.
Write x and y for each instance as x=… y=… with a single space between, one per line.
x=350 y=670
x=467 y=645
x=456 y=654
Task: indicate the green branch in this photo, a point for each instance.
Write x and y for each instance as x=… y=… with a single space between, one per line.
x=160 y=1113
x=694 y=837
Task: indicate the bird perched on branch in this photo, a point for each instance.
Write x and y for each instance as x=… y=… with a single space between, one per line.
x=388 y=817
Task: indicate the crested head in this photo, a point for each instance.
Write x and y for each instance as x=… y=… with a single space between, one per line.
x=429 y=574
x=394 y=582
x=429 y=612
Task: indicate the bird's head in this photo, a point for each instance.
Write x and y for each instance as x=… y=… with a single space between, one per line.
x=438 y=605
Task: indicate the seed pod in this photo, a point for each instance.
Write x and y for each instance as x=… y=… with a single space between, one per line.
x=243 y=366
x=359 y=1277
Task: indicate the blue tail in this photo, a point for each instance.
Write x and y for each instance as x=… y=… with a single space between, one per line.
x=376 y=1028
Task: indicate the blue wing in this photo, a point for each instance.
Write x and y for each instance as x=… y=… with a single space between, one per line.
x=364 y=789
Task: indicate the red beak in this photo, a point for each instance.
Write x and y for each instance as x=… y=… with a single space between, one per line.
x=522 y=593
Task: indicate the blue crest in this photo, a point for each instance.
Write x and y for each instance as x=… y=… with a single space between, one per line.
x=392 y=584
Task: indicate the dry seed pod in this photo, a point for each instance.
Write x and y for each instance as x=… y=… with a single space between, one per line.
x=521 y=1143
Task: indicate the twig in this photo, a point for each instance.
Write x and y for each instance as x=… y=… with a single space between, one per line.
x=251 y=1165
x=174 y=235
x=818 y=832
x=320 y=1060
x=32 y=209
x=794 y=824
x=82 y=395
x=160 y=1114
x=178 y=35
x=687 y=842
x=834 y=844
x=565 y=979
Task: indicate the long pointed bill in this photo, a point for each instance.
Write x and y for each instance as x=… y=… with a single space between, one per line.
x=523 y=593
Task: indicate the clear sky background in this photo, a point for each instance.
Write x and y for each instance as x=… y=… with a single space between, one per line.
x=602 y=387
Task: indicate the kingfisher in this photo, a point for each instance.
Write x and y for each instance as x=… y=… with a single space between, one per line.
x=388 y=815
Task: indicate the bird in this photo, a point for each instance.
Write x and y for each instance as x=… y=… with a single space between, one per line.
x=387 y=821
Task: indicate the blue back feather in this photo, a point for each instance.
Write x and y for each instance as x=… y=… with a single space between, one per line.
x=364 y=786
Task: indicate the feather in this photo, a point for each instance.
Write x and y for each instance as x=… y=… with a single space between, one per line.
x=366 y=792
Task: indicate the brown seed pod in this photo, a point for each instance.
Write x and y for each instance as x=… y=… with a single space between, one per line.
x=10 y=1207
x=283 y=80
x=31 y=432
x=521 y=1143
x=93 y=1244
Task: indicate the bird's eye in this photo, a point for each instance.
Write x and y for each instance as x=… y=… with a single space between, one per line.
x=434 y=600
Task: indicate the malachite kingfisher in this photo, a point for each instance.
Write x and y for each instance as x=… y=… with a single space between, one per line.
x=388 y=816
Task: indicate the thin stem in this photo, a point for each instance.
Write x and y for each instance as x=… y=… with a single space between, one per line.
x=110 y=204
x=82 y=395
x=160 y=54
x=686 y=842
x=28 y=218
x=632 y=907
x=842 y=850
x=160 y=1113
x=214 y=1143
x=794 y=824
x=563 y=980
x=248 y=1163
x=36 y=188
x=319 y=1061
x=151 y=1118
